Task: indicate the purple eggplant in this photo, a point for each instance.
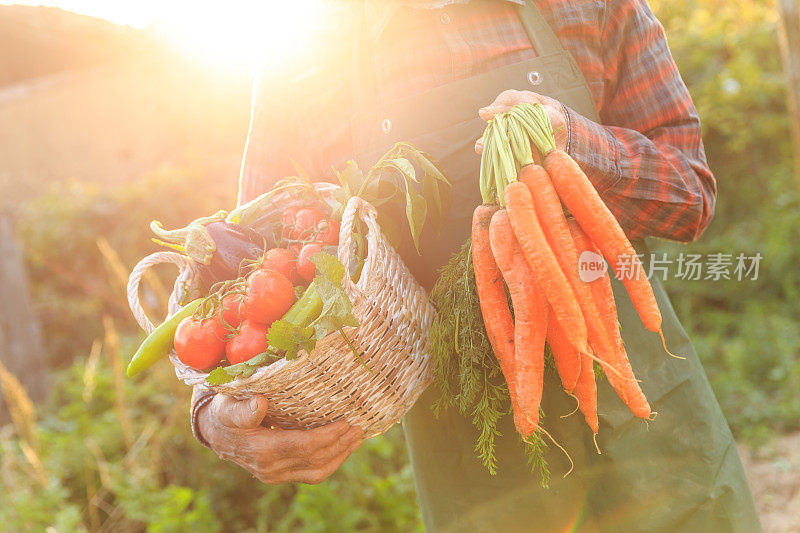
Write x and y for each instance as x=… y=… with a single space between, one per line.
x=234 y=243
x=218 y=247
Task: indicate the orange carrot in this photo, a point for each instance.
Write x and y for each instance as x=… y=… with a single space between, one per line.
x=556 y=231
x=494 y=307
x=530 y=315
x=581 y=198
x=586 y=392
x=566 y=357
x=621 y=377
x=544 y=264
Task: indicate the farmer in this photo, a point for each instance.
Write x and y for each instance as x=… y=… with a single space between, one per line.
x=431 y=72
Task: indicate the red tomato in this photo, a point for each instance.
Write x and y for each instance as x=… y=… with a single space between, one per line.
x=305 y=266
x=288 y=215
x=287 y=218
x=284 y=261
x=200 y=344
x=305 y=221
x=232 y=309
x=327 y=232
x=250 y=341
x=269 y=295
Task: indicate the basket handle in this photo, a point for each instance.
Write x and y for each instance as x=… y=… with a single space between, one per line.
x=187 y=272
x=365 y=211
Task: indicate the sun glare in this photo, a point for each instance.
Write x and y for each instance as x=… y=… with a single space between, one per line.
x=242 y=33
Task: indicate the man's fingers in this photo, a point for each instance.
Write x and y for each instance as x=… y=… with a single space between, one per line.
x=479 y=146
x=506 y=100
x=241 y=414
x=280 y=456
x=302 y=450
x=300 y=467
x=293 y=443
x=353 y=437
x=318 y=475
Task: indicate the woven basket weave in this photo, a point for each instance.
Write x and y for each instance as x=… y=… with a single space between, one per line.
x=330 y=383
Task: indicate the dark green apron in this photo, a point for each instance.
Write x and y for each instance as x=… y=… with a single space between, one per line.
x=683 y=473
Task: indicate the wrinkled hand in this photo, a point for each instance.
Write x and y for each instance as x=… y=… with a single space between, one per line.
x=233 y=429
x=508 y=99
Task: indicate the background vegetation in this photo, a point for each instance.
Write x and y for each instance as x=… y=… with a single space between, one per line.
x=113 y=453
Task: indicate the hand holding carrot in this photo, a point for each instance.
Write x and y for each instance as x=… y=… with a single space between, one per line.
x=508 y=99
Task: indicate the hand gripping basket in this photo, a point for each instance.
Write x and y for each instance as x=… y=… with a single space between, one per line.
x=330 y=383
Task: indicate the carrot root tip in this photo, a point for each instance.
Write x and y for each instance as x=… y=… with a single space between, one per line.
x=664 y=344
x=577 y=405
x=596 y=447
x=605 y=365
x=571 y=463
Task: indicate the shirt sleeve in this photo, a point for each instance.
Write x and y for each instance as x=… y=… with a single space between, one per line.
x=647 y=159
x=201 y=397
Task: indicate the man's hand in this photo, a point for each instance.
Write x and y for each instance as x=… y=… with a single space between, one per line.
x=233 y=429
x=508 y=99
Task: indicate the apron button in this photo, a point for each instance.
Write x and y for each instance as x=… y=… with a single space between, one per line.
x=386 y=126
x=534 y=78
x=445 y=18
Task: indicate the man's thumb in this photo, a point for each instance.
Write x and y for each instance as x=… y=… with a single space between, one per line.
x=244 y=414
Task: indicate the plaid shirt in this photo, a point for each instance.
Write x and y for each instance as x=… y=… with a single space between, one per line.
x=646 y=157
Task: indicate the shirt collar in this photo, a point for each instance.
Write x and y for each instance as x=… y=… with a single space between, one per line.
x=378 y=13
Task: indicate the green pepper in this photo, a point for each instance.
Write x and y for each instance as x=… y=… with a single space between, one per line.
x=159 y=343
x=306 y=309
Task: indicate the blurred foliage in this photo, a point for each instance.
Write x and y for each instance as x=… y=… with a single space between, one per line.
x=70 y=279
x=119 y=453
x=746 y=332
x=149 y=472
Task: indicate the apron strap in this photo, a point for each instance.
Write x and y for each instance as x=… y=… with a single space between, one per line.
x=540 y=33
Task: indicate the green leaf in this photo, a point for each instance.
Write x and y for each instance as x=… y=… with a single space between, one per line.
x=350 y=320
x=326 y=325
x=218 y=376
x=328 y=266
x=290 y=338
x=430 y=190
x=258 y=359
x=351 y=177
x=334 y=299
x=333 y=322
x=416 y=212
x=405 y=168
x=380 y=191
x=436 y=188
x=341 y=195
x=427 y=164
x=445 y=194
x=243 y=370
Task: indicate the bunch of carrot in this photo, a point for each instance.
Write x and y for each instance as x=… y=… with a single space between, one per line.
x=523 y=242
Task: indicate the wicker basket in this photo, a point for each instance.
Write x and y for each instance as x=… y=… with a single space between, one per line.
x=330 y=383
